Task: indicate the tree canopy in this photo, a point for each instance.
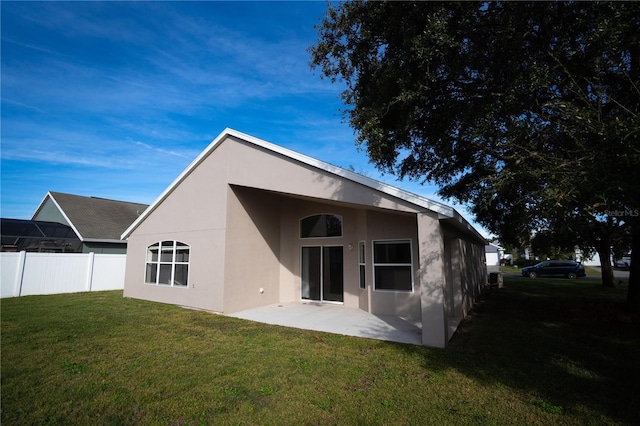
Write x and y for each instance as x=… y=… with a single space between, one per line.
x=529 y=112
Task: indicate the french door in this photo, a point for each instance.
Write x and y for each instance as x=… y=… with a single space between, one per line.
x=322 y=273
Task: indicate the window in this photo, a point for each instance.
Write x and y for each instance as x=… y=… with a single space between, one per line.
x=321 y=225
x=392 y=265
x=167 y=264
x=363 y=265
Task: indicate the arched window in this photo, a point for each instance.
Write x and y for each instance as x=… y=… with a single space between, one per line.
x=321 y=226
x=167 y=264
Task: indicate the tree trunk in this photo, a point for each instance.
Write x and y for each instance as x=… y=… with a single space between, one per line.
x=633 y=293
x=604 y=251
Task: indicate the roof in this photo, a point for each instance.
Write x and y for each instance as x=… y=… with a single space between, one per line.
x=492 y=248
x=445 y=212
x=95 y=219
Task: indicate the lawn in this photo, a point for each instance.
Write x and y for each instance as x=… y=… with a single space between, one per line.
x=534 y=352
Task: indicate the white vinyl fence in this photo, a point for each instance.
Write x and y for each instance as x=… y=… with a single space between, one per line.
x=24 y=274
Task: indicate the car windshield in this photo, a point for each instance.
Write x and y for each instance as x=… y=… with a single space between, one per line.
x=541 y=264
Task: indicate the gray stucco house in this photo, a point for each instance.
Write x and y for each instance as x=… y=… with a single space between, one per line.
x=249 y=223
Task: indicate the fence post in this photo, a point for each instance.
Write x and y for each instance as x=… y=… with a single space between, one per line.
x=19 y=273
x=90 y=271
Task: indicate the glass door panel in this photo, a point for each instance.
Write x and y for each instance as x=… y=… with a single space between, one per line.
x=332 y=274
x=311 y=272
x=322 y=274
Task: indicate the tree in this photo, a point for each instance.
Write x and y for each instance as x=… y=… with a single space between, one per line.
x=528 y=112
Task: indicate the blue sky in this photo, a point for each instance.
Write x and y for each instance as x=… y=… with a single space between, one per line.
x=115 y=99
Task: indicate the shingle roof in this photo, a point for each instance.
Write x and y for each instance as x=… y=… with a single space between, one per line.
x=97 y=218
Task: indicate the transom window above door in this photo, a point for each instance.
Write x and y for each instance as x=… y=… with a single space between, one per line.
x=321 y=226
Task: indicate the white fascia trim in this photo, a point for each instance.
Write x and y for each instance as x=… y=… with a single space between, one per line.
x=409 y=197
x=49 y=195
x=104 y=240
x=457 y=217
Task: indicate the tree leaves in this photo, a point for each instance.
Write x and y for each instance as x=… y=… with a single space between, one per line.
x=478 y=97
x=528 y=111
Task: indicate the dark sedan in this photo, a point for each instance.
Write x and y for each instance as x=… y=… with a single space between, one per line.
x=553 y=268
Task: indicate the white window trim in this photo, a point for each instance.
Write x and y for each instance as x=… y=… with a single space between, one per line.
x=362 y=264
x=374 y=264
x=321 y=246
x=300 y=237
x=173 y=263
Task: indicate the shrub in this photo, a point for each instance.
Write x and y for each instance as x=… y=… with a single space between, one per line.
x=521 y=263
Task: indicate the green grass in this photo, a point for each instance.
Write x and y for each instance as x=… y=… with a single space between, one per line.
x=592 y=271
x=534 y=352
x=510 y=269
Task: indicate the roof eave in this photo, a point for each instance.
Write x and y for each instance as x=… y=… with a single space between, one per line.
x=461 y=223
x=104 y=240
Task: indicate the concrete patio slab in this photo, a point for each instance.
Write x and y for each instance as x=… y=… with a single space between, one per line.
x=336 y=319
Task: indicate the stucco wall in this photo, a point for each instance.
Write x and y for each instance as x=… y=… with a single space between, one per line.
x=297 y=209
x=432 y=278
x=475 y=268
x=392 y=226
x=205 y=270
x=259 y=168
x=195 y=214
x=307 y=191
x=252 y=244
x=264 y=226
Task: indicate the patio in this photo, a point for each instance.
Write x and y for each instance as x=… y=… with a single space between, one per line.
x=336 y=319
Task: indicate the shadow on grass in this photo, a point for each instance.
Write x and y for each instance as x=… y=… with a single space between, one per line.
x=568 y=345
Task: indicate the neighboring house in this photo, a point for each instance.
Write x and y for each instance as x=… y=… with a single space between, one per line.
x=250 y=224
x=493 y=254
x=592 y=260
x=96 y=222
x=528 y=254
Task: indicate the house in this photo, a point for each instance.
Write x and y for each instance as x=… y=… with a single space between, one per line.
x=96 y=222
x=250 y=224
x=493 y=254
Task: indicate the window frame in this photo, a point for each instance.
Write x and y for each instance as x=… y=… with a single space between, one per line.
x=362 y=264
x=321 y=214
x=375 y=264
x=163 y=248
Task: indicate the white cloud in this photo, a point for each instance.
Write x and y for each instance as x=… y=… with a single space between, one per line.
x=162 y=151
